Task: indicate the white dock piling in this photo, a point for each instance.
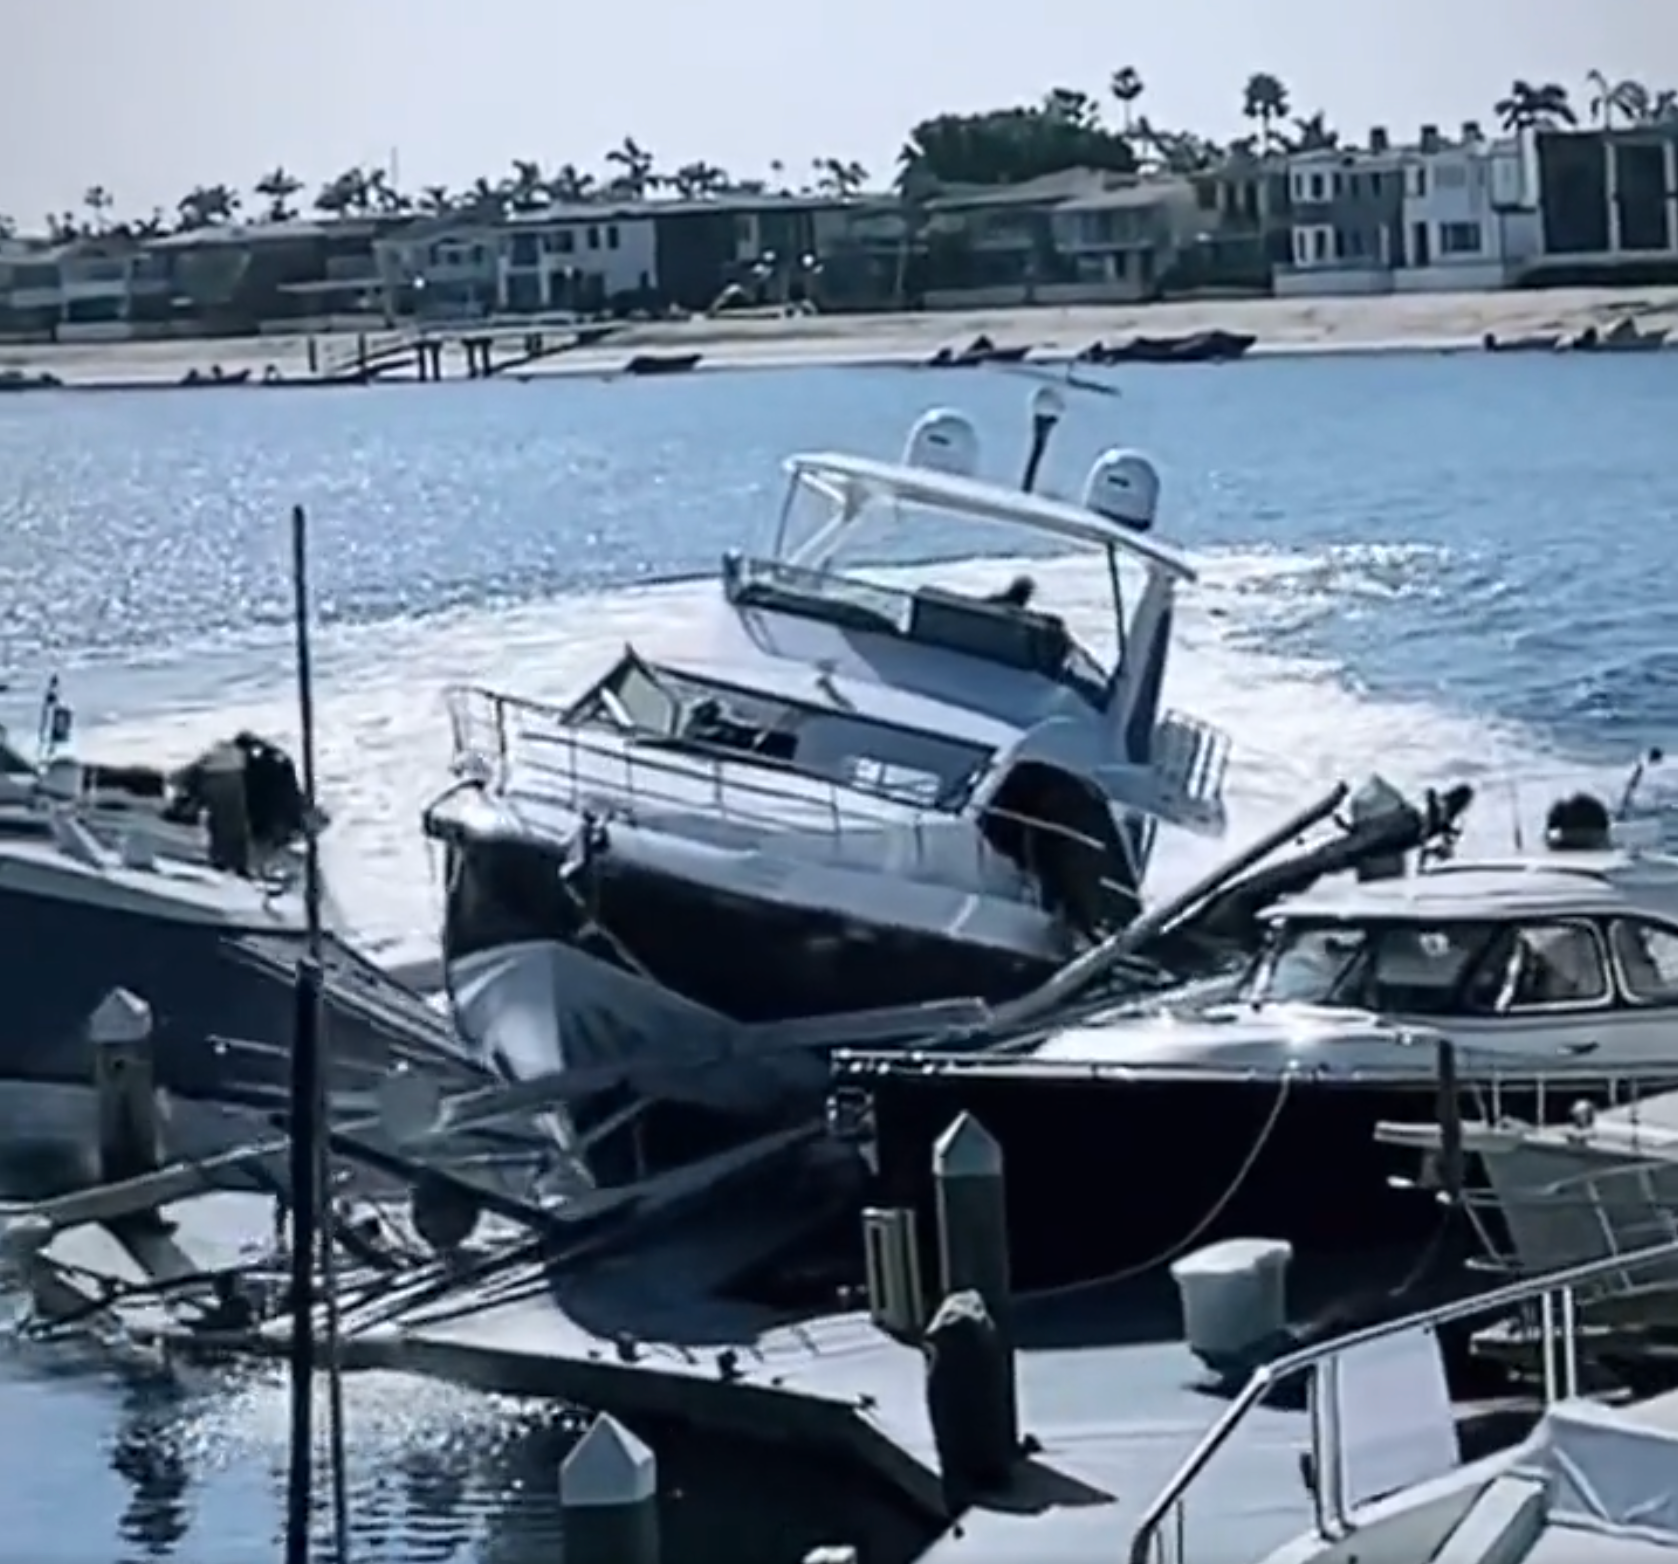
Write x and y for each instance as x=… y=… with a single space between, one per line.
x=972 y=1397
x=608 y=1490
x=130 y=1126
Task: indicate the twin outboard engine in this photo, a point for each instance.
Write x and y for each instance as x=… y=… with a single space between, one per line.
x=247 y=793
x=943 y=441
x=1124 y=487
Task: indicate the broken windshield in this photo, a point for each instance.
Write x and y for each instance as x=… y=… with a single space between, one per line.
x=1409 y=968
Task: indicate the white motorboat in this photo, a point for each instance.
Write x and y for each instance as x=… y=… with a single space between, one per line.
x=1254 y=1108
x=846 y=799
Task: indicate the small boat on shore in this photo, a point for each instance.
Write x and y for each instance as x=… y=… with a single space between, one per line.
x=1196 y=347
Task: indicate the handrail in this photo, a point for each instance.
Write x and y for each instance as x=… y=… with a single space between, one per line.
x=1290 y=1365
x=730 y=776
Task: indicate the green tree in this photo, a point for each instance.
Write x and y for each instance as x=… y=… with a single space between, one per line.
x=99 y=201
x=634 y=164
x=839 y=176
x=346 y=193
x=435 y=199
x=1126 y=87
x=1009 y=146
x=570 y=185
x=278 y=187
x=8 y=227
x=206 y=205
x=1629 y=101
x=1265 y=100
x=1528 y=106
x=1312 y=134
x=1073 y=107
x=692 y=181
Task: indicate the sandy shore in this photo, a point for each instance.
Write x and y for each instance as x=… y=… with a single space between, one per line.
x=1390 y=323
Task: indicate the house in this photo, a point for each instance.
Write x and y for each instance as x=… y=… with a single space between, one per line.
x=1244 y=229
x=238 y=277
x=778 y=244
x=101 y=286
x=1609 y=201
x=1123 y=242
x=1437 y=216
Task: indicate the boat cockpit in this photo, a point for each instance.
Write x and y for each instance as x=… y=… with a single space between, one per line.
x=820 y=732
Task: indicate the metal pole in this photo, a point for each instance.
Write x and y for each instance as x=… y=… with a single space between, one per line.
x=304 y=1208
x=308 y=1079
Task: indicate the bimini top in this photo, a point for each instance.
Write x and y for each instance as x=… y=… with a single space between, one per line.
x=868 y=479
x=1542 y=885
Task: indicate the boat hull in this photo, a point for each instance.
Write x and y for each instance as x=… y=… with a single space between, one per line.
x=221 y=1003
x=748 y=958
x=1121 y=1174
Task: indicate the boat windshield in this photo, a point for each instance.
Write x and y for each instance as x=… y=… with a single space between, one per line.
x=1409 y=968
x=846 y=747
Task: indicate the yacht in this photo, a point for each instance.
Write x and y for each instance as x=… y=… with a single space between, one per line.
x=1252 y=1106
x=848 y=801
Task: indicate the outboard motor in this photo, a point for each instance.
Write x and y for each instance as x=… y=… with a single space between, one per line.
x=1124 y=487
x=1578 y=824
x=1377 y=799
x=943 y=440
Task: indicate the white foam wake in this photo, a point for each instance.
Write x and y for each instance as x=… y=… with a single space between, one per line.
x=1295 y=724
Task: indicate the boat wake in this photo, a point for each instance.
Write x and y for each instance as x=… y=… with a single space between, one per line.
x=1296 y=722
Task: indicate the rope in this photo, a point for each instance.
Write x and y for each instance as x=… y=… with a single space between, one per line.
x=1187 y=1242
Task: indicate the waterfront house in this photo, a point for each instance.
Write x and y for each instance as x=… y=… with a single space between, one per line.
x=299 y=275
x=1440 y=215
x=1243 y=228
x=99 y=287
x=1123 y=242
x=1609 y=201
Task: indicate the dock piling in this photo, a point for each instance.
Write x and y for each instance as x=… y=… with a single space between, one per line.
x=130 y=1127
x=972 y=1398
x=608 y=1491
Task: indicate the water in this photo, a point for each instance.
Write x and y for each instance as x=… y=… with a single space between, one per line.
x=1440 y=567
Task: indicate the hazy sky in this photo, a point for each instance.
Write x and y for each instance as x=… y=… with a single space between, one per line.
x=149 y=97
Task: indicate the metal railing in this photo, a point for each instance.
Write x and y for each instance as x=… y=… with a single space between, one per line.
x=604 y=770
x=1555 y=1296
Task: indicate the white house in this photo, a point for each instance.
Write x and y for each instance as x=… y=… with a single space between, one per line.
x=556 y=260
x=1437 y=216
x=1471 y=218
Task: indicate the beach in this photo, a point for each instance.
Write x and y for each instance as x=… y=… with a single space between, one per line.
x=1384 y=323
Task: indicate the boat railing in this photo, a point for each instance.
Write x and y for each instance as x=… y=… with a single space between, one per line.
x=1191 y=760
x=494 y=733
x=1554 y=1294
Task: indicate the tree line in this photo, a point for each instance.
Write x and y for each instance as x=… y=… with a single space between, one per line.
x=1066 y=129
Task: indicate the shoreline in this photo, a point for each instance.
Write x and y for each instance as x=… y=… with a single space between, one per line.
x=1386 y=324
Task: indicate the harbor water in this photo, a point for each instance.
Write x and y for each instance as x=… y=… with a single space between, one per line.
x=1438 y=567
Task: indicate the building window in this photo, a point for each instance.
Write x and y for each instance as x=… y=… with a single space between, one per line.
x=524 y=249
x=611 y=236
x=1460 y=239
x=1319 y=244
x=1318 y=190
x=1418 y=183
x=593 y=237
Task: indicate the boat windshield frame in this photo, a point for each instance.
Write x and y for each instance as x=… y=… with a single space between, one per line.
x=1356 y=983
x=683 y=691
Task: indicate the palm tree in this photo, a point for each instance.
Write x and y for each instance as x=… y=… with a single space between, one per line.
x=205 y=205
x=1528 y=106
x=1127 y=86
x=778 y=173
x=1664 y=110
x=1313 y=134
x=436 y=200
x=1071 y=107
x=382 y=195
x=152 y=227
x=527 y=189
x=1628 y=99
x=277 y=187
x=694 y=181
x=839 y=176
x=570 y=186
x=62 y=227
x=8 y=227
x=635 y=164
x=99 y=201
x=1265 y=99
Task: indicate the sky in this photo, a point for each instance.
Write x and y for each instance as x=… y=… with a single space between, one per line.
x=151 y=97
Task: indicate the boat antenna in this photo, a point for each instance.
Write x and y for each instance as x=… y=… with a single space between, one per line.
x=1048 y=406
x=311 y=1219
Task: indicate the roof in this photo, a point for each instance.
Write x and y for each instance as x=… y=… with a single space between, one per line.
x=1139 y=197
x=989 y=502
x=1543 y=884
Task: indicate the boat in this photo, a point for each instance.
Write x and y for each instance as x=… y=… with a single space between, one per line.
x=1195 y=347
x=847 y=802
x=1252 y=1105
x=210 y=952
x=1624 y=336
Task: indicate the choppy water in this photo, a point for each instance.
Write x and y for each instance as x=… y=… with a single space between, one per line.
x=1434 y=566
